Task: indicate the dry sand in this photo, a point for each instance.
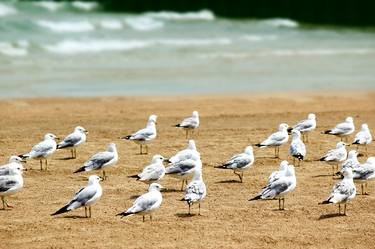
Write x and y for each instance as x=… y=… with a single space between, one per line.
x=228 y=125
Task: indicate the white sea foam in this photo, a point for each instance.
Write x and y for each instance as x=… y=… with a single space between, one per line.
x=143 y=23
x=14 y=50
x=85 y=6
x=258 y=38
x=169 y=15
x=6 y=10
x=281 y=23
x=63 y=27
x=195 y=41
x=49 y=5
x=111 y=24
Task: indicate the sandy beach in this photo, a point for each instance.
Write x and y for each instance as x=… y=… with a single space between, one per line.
x=228 y=125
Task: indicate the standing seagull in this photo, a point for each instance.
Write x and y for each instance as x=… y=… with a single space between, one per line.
x=343 y=191
x=101 y=160
x=342 y=129
x=146 y=203
x=240 y=162
x=297 y=148
x=276 y=139
x=85 y=197
x=195 y=190
x=279 y=188
x=183 y=169
x=305 y=126
x=153 y=172
x=73 y=140
x=335 y=156
x=11 y=183
x=42 y=150
x=276 y=175
x=351 y=162
x=363 y=137
x=189 y=153
x=364 y=173
x=190 y=123
x=144 y=136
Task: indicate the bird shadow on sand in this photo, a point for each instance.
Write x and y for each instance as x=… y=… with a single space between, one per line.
x=65 y=158
x=228 y=181
x=185 y=215
x=328 y=216
x=73 y=217
x=326 y=175
x=170 y=190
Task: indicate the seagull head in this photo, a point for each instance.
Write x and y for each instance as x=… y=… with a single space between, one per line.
x=49 y=136
x=157 y=159
x=348 y=173
x=152 y=119
x=111 y=147
x=296 y=134
x=340 y=145
x=249 y=150
x=195 y=114
x=80 y=129
x=349 y=120
x=352 y=154
x=364 y=127
x=191 y=145
x=94 y=179
x=284 y=165
x=155 y=187
x=16 y=159
x=311 y=116
x=283 y=127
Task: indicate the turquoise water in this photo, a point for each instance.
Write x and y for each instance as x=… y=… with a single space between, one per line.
x=64 y=49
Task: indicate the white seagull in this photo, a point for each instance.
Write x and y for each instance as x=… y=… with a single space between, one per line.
x=342 y=129
x=153 y=172
x=279 y=188
x=240 y=162
x=73 y=140
x=196 y=190
x=297 y=148
x=364 y=173
x=190 y=123
x=276 y=139
x=144 y=136
x=146 y=203
x=363 y=137
x=276 y=175
x=101 y=160
x=305 y=126
x=183 y=169
x=351 y=162
x=189 y=153
x=13 y=163
x=42 y=150
x=343 y=191
x=11 y=183
x=85 y=197
x=335 y=156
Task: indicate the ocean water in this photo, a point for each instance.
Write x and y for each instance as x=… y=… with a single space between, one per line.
x=50 y=49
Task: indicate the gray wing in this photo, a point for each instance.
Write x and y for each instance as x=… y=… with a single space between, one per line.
x=189 y=123
x=297 y=148
x=41 y=149
x=7 y=183
x=83 y=196
x=143 y=203
x=303 y=125
x=142 y=135
x=362 y=173
x=98 y=160
x=70 y=140
x=180 y=167
x=238 y=161
x=4 y=171
x=274 y=189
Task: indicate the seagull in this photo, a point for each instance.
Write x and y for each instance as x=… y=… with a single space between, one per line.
x=343 y=129
x=276 y=139
x=363 y=137
x=73 y=140
x=11 y=183
x=335 y=156
x=189 y=153
x=305 y=126
x=13 y=163
x=146 y=203
x=364 y=173
x=189 y=124
x=279 y=188
x=240 y=162
x=276 y=175
x=85 y=197
x=153 y=172
x=297 y=148
x=183 y=169
x=351 y=162
x=101 y=160
x=196 y=190
x=42 y=150
x=144 y=136
x=343 y=191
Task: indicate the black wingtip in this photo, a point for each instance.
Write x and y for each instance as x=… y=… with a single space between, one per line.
x=258 y=145
x=220 y=167
x=356 y=142
x=126 y=137
x=22 y=156
x=289 y=130
x=325 y=202
x=80 y=170
x=61 y=210
x=255 y=198
x=327 y=132
x=135 y=176
x=177 y=125
x=123 y=214
x=322 y=159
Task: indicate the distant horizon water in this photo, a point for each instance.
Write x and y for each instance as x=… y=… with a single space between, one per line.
x=73 y=49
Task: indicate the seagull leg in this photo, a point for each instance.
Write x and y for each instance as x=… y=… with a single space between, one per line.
x=238 y=175
x=3 y=200
x=7 y=205
x=366 y=150
x=104 y=176
x=146 y=149
x=340 y=209
x=294 y=161
x=345 y=209
x=361 y=188
x=182 y=185
x=143 y=218
x=46 y=164
x=189 y=209
x=279 y=204
x=90 y=211
x=150 y=217
x=85 y=211
x=366 y=189
x=283 y=203
x=199 y=208
x=41 y=164
x=275 y=152
x=140 y=149
x=75 y=153
x=186 y=133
